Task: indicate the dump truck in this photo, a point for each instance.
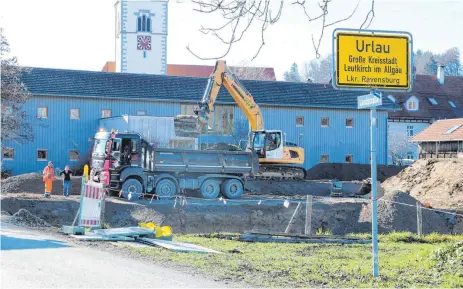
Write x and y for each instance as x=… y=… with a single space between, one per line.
x=127 y=163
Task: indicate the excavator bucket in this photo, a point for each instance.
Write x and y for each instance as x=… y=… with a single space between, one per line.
x=188 y=125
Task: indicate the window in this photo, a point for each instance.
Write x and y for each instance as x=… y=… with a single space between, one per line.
x=391 y=98
x=349 y=122
x=134 y=146
x=141 y=112
x=410 y=129
x=412 y=103
x=299 y=121
x=8 y=153
x=452 y=104
x=105 y=113
x=143 y=23
x=410 y=155
x=8 y=110
x=324 y=158
x=453 y=128
x=325 y=122
x=42 y=155
x=349 y=159
x=42 y=112
x=73 y=155
x=433 y=101
x=75 y=113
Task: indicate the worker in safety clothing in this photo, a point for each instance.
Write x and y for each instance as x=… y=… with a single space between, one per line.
x=48 y=178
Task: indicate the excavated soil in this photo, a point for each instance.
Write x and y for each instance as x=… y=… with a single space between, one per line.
x=438 y=182
x=397 y=212
x=350 y=172
x=33 y=183
x=25 y=218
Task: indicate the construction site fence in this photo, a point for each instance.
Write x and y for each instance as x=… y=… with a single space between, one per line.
x=308 y=209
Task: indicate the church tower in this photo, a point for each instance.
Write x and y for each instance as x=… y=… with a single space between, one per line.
x=141 y=36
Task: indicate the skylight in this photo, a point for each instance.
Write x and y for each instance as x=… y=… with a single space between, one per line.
x=391 y=98
x=433 y=101
x=452 y=104
x=453 y=128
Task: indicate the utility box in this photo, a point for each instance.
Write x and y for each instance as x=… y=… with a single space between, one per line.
x=159 y=131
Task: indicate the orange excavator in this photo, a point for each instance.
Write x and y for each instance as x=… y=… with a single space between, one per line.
x=277 y=159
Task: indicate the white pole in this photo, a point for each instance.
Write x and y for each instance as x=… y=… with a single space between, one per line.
x=374 y=221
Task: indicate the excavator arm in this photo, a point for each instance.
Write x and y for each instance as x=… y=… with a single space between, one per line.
x=187 y=125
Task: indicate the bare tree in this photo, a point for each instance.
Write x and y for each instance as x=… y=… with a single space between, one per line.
x=13 y=95
x=244 y=70
x=240 y=15
x=421 y=59
x=318 y=70
x=399 y=146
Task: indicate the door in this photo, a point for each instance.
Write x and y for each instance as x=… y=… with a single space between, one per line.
x=273 y=145
x=116 y=152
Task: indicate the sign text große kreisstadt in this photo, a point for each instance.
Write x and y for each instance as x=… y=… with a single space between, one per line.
x=367 y=60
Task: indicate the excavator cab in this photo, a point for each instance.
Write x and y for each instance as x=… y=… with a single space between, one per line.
x=267 y=144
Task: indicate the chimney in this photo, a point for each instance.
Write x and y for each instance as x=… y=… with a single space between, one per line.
x=440 y=74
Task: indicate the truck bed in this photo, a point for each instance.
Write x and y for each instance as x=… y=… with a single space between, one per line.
x=204 y=162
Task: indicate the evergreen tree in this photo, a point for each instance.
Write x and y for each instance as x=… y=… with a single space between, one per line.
x=293 y=74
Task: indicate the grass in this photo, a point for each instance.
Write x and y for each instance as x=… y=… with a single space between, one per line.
x=405 y=260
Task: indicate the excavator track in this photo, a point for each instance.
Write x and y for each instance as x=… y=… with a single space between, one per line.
x=280 y=172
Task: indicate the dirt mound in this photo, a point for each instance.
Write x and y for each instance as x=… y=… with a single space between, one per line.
x=33 y=183
x=397 y=212
x=17 y=183
x=350 y=172
x=25 y=218
x=439 y=182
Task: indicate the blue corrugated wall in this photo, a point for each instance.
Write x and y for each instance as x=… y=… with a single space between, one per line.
x=59 y=134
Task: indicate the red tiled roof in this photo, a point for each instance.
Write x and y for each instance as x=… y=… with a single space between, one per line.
x=437 y=131
x=268 y=73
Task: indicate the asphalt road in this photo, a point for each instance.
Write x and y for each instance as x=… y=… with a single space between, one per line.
x=33 y=259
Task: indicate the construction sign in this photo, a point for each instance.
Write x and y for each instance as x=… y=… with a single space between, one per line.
x=367 y=59
x=91 y=204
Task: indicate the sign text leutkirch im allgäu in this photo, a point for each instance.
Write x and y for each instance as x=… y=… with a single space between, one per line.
x=372 y=61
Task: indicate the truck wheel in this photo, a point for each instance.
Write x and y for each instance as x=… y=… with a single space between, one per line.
x=132 y=189
x=166 y=189
x=232 y=189
x=210 y=189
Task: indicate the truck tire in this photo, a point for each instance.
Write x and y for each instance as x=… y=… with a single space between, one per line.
x=132 y=189
x=232 y=189
x=210 y=189
x=166 y=189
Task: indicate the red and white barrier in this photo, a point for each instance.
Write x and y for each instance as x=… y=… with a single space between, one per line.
x=91 y=200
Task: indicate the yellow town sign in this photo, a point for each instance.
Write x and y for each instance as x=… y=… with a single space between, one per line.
x=372 y=60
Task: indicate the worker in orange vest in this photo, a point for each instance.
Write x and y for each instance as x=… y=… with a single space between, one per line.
x=48 y=178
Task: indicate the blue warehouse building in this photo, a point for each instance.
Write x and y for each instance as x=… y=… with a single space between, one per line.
x=66 y=107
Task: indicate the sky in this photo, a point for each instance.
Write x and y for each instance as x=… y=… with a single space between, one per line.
x=73 y=34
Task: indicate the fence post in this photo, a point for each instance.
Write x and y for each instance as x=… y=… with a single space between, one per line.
x=308 y=215
x=288 y=228
x=102 y=216
x=419 y=219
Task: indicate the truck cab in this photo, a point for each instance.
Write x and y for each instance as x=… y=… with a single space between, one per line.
x=113 y=152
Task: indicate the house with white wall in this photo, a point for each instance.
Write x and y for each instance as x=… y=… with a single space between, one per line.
x=434 y=97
